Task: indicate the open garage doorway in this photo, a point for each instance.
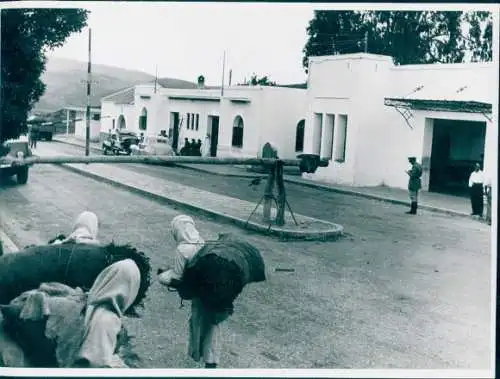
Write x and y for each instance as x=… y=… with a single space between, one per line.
x=456 y=147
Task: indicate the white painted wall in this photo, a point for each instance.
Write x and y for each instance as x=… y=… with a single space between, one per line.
x=281 y=110
x=378 y=139
x=110 y=111
x=183 y=107
x=252 y=121
x=81 y=125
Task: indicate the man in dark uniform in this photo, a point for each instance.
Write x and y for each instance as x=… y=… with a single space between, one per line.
x=414 y=184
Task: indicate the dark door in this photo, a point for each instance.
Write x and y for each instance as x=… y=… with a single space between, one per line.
x=175 y=137
x=440 y=156
x=214 y=138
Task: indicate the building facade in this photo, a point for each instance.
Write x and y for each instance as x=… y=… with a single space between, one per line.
x=236 y=123
x=368 y=116
x=76 y=121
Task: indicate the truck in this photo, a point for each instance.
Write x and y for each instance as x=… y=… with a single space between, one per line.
x=46 y=129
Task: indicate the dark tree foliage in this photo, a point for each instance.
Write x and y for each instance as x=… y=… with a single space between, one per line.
x=412 y=37
x=256 y=81
x=26 y=35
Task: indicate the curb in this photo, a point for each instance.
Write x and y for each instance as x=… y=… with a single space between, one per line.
x=430 y=208
x=449 y=212
x=334 y=232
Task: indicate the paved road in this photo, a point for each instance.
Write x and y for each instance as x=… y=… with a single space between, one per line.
x=397 y=292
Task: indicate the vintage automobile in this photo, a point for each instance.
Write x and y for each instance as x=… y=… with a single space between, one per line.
x=154 y=145
x=11 y=154
x=120 y=143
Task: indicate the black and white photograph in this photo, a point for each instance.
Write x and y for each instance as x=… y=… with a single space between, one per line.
x=248 y=188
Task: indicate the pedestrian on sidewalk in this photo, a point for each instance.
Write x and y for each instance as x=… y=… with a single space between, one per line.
x=185 y=149
x=414 y=184
x=32 y=137
x=476 y=183
x=206 y=146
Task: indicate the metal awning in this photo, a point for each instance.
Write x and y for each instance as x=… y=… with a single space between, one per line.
x=440 y=105
x=405 y=107
x=241 y=100
x=195 y=98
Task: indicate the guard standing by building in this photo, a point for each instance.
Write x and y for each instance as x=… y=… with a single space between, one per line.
x=414 y=184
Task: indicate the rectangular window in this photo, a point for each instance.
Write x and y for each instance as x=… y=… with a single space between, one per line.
x=341 y=138
x=192 y=121
x=96 y=116
x=237 y=140
x=197 y=125
x=327 y=137
x=113 y=122
x=188 y=123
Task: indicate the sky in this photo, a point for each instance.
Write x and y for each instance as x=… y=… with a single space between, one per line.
x=184 y=40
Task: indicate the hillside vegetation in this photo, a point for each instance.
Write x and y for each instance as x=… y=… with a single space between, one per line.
x=66 y=83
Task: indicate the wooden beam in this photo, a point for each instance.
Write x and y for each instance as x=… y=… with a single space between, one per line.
x=157 y=160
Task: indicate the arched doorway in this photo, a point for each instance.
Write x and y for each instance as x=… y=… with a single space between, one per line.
x=299 y=136
x=143 y=119
x=121 y=122
x=237 y=140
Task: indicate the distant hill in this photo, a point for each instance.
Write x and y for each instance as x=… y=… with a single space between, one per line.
x=66 y=83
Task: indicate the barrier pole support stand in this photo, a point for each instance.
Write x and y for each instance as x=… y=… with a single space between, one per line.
x=268 y=194
x=280 y=213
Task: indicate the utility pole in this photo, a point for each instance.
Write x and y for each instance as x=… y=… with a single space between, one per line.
x=156 y=77
x=67 y=122
x=230 y=77
x=223 y=72
x=89 y=81
x=366 y=42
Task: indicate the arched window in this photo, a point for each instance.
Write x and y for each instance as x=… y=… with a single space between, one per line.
x=299 y=136
x=237 y=132
x=121 y=122
x=143 y=119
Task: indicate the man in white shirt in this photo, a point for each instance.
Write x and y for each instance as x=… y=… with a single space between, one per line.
x=476 y=182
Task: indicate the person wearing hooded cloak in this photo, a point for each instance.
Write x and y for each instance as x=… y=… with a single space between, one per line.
x=204 y=336
x=84 y=325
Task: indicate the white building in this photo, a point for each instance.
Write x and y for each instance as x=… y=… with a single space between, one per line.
x=76 y=119
x=237 y=123
x=368 y=116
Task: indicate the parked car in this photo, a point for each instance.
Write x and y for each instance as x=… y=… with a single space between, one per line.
x=154 y=145
x=12 y=151
x=120 y=142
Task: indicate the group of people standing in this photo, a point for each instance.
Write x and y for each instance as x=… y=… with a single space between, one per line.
x=191 y=149
x=478 y=189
